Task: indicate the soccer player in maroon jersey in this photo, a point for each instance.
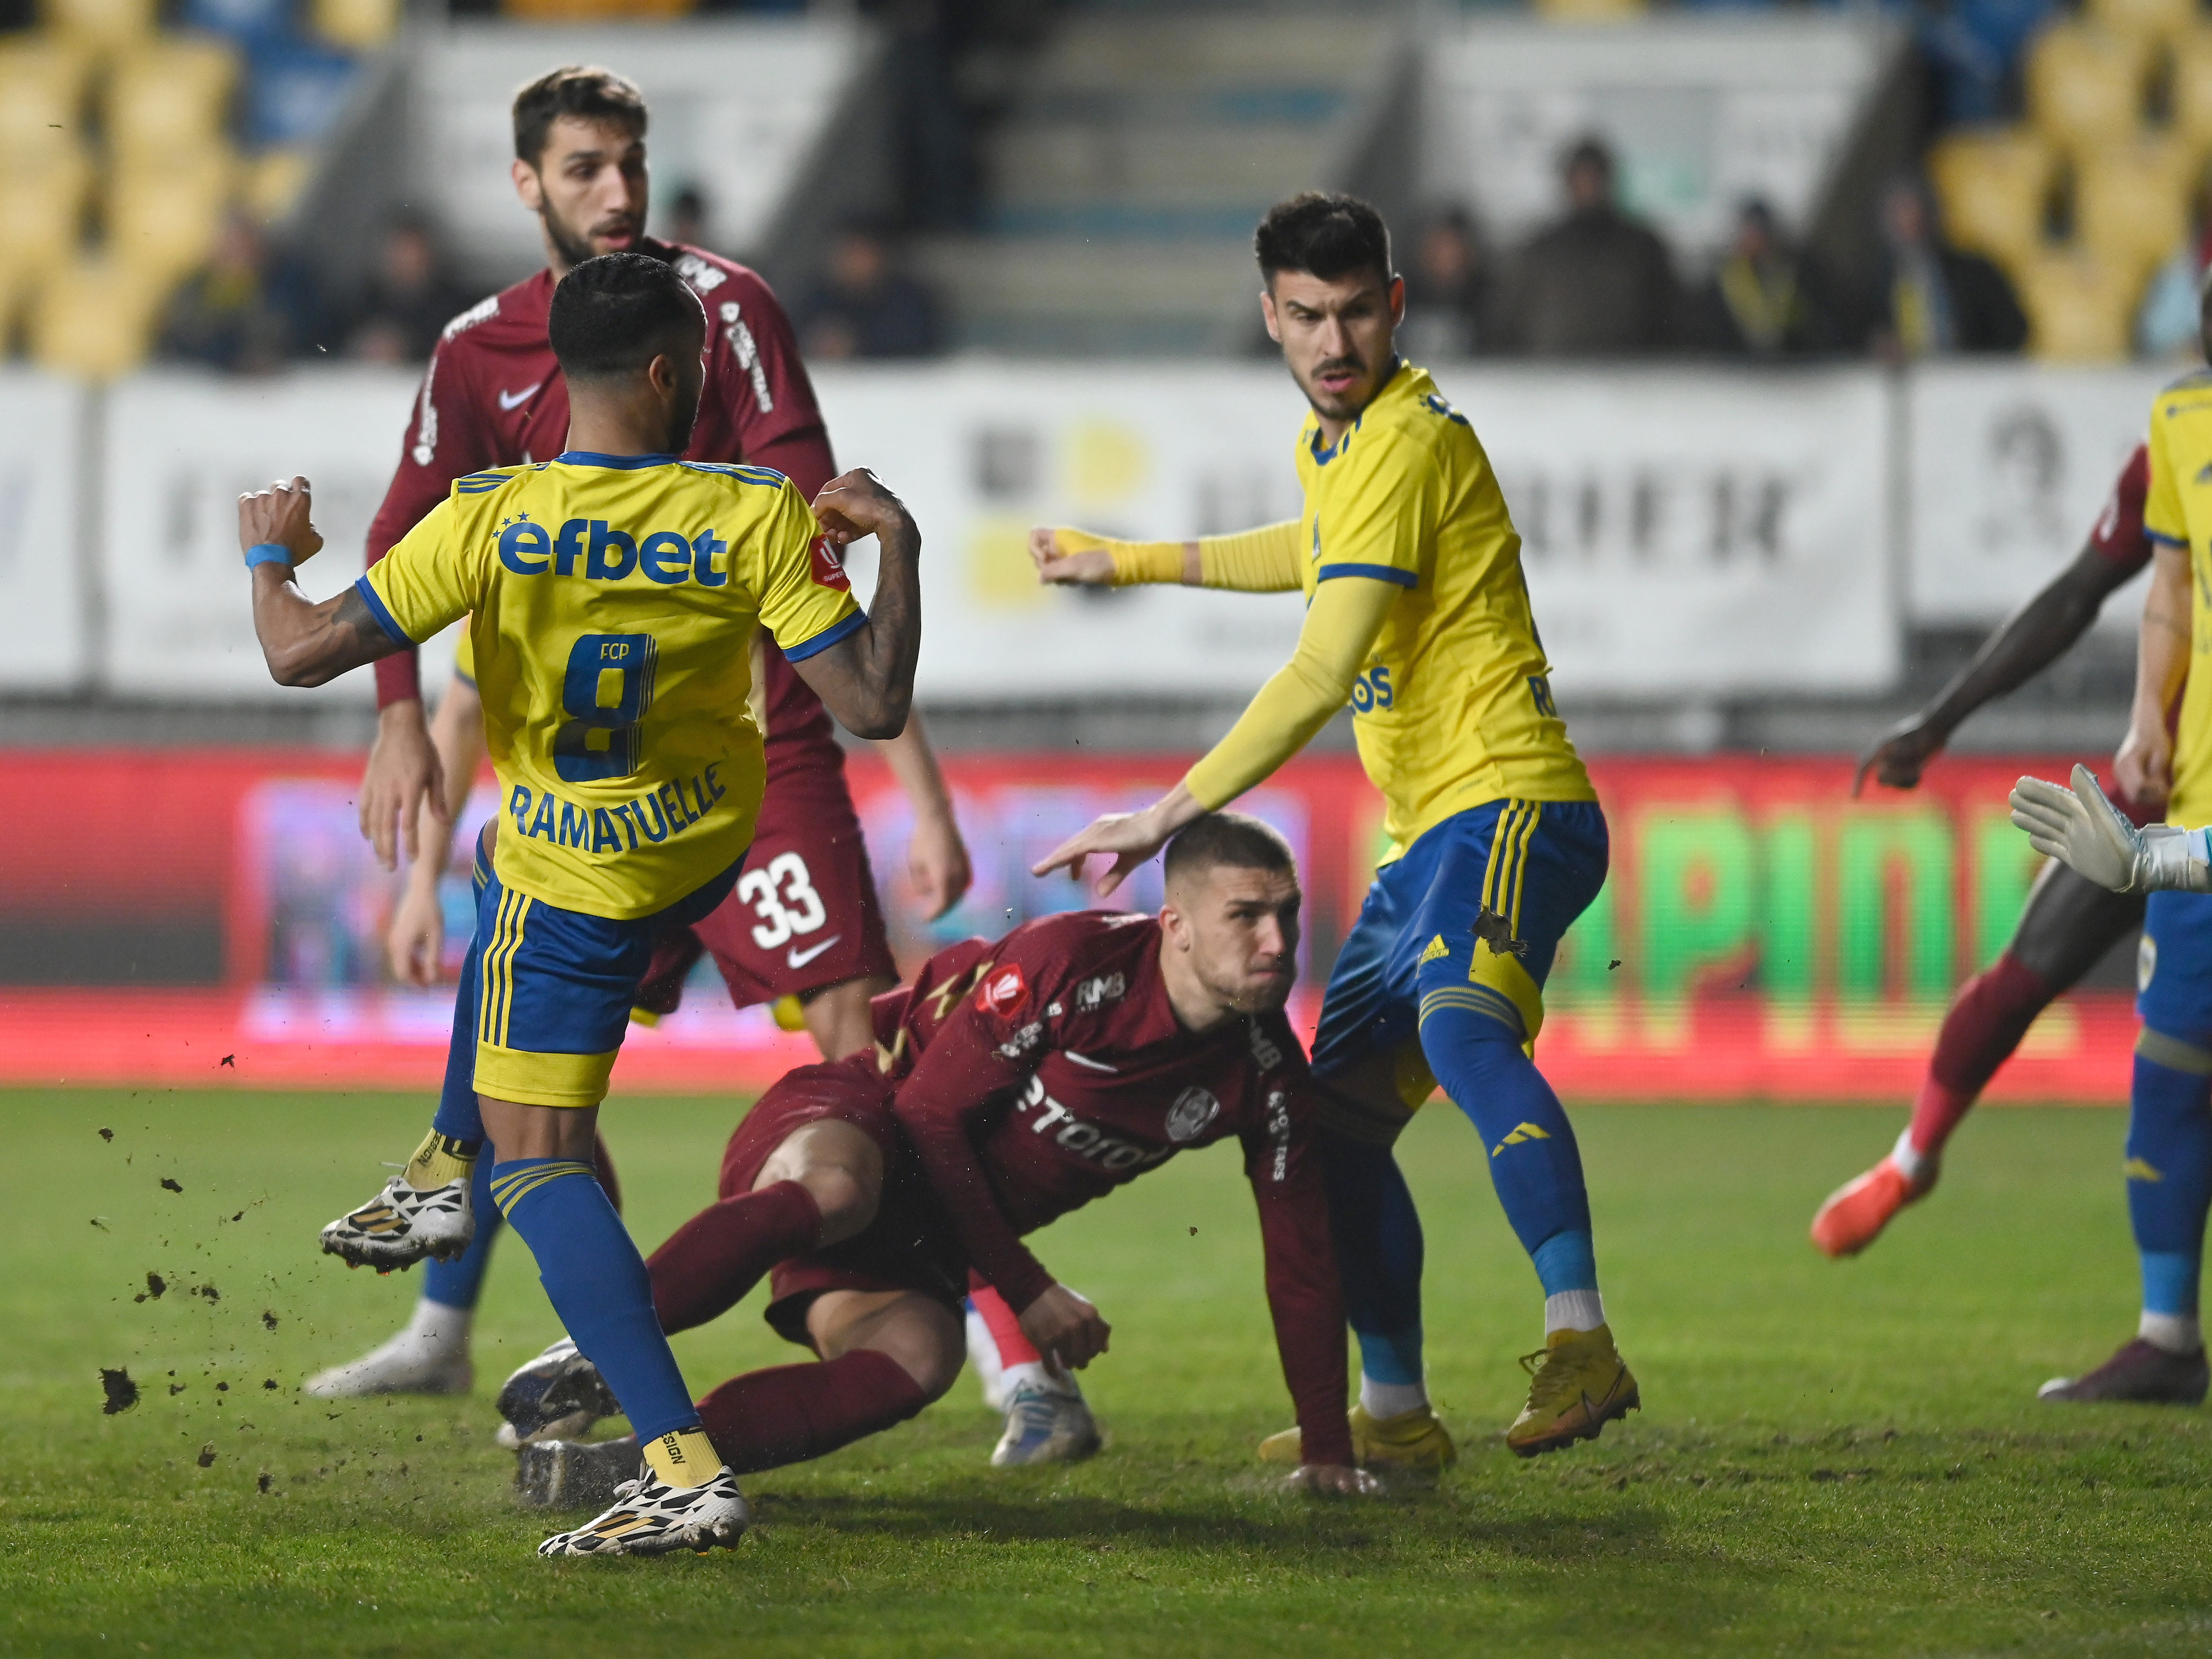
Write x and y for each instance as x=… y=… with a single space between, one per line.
x=803 y=921
x=2070 y=923
x=1013 y=1082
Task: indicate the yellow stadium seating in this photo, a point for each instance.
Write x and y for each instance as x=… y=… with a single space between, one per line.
x=105 y=23
x=2085 y=85
x=2192 y=88
x=2078 y=309
x=171 y=97
x=44 y=209
x=41 y=97
x=1588 y=11
x=2131 y=204
x=1995 y=187
x=95 y=316
x=273 y=182
x=2152 y=19
x=357 y=23
x=162 y=215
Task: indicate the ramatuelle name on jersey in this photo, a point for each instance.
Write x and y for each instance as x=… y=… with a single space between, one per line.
x=675 y=806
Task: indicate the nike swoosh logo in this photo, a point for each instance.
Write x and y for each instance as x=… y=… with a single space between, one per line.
x=1081 y=1060
x=512 y=400
x=800 y=958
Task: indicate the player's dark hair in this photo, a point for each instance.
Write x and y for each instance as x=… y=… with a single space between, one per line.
x=614 y=314
x=1232 y=838
x=1325 y=233
x=581 y=90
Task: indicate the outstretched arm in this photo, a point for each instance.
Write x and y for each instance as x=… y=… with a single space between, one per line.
x=1262 y=561
x=305 y=643
x=2030 y=640
x=2084 y=831
x=866 y=679
x=1341 y=629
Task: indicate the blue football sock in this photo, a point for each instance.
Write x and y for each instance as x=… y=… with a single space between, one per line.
x=458 y=1115
x=2169 y=1171
x=598 y=1283
x=1378 y=1255
x=1535 y=1163
x=1567 y=1262
x=458 y=1282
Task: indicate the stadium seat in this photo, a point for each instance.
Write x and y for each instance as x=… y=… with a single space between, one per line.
x=170 y=98
x=1589 y=11
x=41 y=97
x=2131 y=204
x=2148 y=20
x=95 y=317
x=1994 y=185
x=360 y=24
x=2192 y=89
x=274 y=181
x=2085 y=85
x=102 y=23
x=2078 y=309
x=162 y=217
x=44 y=206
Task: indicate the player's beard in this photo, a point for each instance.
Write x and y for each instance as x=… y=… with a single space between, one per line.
x=575 y=246
x=1340 y=406
x=680 y=424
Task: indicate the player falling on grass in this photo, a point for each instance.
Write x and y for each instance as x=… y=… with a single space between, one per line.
x=612 y=592
x=1417 y=615
x=2069 y=922
x=804 y=923
x=1014 y=1081
x=2169 y=1147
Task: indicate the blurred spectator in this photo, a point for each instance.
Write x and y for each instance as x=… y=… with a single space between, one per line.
x=408 y=300
x=1763 y=299
x=1935 y=299
x=1447 y=291
x=687 y=218
x=1596 y=284
x=868 y=308
x=2166 y=323
x=241 y=312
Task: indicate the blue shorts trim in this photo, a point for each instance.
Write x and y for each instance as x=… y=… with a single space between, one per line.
x=2173 y=968
x=1416 y=935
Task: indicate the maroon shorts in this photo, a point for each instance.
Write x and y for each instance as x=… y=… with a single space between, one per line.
x=804 y=914
x=910 y=1246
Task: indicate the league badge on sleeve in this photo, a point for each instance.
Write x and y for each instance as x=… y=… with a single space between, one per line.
x=829 y=568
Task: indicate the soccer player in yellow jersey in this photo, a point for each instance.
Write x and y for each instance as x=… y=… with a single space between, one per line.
x=612 y=593
x=2169 y=1153
x=1417 y=615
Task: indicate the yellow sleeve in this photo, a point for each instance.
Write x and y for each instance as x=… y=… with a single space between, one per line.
x=805 y=600
x=1262 y=561
x=1377 y=528
x=423 y=584
x=2162 y=515
x=1339 y=630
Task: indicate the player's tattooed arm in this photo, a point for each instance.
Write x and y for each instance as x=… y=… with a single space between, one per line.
x=306 y=643
x=866 y=679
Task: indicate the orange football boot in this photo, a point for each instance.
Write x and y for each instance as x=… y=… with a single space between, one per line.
x=1857 y=1211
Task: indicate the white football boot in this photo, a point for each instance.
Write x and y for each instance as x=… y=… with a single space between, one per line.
x=430 y=1356
x=1045 y=1425
x=651 y=1517
x=401 y=1227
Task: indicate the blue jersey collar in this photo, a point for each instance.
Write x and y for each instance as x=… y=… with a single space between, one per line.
x=626 y=463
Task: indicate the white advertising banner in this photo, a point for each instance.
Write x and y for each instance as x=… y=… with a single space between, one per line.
x=180 y=449
x=1687 y=532
x=2011 y=463
x=42 y=576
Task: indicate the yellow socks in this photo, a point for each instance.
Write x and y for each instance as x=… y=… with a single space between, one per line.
x=684 y=1457
x=440 y=1160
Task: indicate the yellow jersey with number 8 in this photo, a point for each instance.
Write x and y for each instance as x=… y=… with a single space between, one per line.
x=612 y=602
x=1453 y=707
x=2178 y=511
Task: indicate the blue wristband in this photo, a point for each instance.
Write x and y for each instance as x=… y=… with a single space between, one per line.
x=268 y=553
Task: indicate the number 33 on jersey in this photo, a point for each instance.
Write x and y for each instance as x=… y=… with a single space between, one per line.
x=613 y=601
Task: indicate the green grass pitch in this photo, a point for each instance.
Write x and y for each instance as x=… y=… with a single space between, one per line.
x=1833 y=1459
